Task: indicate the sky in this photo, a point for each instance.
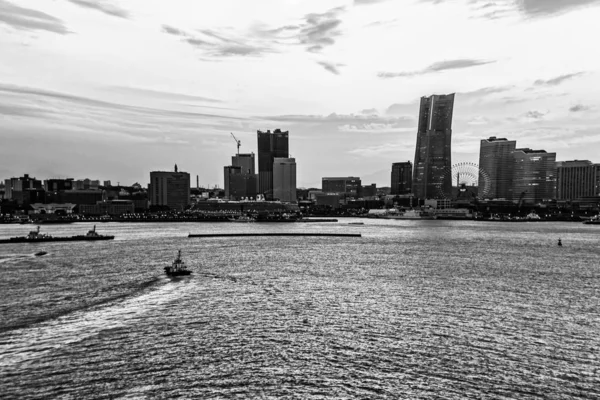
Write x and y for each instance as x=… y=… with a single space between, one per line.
x=114 y=89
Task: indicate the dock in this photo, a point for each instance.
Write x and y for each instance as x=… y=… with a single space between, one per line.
x=207 y=235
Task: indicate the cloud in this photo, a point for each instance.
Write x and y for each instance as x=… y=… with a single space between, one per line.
x=403 y=108
x=367 y=2
x=319 y=30
x=579 y=108
x=29 y=93
x=478 y=120
x=314 y=31
x=161 y=94
x=348 y=123
x=331 y=67
x=173 y=31
x=558 y=80
x=380 y=150
x=540 y=8
x=375 y=128
x=28 y=19
x=102 y=6
x=369 y=111
x=436 y=67
x=484 y=92
x=534 y=114
x=217 y=44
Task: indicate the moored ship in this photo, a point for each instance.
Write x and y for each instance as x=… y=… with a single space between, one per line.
x=36 y=237
x=593 y=221
x=394 y=213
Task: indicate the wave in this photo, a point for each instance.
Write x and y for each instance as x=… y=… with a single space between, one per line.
x=38 y=339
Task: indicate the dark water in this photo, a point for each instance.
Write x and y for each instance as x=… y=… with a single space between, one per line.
x=413 y=309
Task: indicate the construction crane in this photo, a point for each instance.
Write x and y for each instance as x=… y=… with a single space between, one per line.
x=239 y=143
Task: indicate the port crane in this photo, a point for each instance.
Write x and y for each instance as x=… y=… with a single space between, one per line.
x=238 y=142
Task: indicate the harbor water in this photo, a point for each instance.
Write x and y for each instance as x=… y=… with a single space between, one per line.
x=412 y=309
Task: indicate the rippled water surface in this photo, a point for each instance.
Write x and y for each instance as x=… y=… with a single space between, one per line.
x=413 y=309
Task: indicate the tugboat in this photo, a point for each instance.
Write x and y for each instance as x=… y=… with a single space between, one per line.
x=178 y=268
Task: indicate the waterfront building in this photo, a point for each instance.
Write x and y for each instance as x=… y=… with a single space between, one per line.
x=497 y=161
x=348 y=186
x=368 y=190
x=14 y=185
x=108 y=207
x=577 y=179
x=270 y=145
x=402 y=178
x=534 y=178
x=284 y=179
x=170 y=189
x=53 y=208
x=79 y=197
x=433 y=151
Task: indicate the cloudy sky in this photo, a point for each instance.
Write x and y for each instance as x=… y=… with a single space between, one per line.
x=114 y=89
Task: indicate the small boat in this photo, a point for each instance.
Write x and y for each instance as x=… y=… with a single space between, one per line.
x=178 y=268
x=242 y=218
x=356 y=223
x=593 y=221
x=41 y=253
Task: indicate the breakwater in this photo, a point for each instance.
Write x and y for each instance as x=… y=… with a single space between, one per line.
x=192 y=235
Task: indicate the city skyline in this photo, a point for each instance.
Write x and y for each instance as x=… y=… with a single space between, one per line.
x=110 y=106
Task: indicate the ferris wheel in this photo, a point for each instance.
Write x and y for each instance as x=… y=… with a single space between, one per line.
x=468 y=174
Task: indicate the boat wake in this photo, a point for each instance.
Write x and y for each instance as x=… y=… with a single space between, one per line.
x=24 y=344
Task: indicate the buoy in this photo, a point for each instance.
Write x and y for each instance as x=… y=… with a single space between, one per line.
x=559 y=242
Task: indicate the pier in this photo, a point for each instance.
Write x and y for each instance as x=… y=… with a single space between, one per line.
x=192 y=235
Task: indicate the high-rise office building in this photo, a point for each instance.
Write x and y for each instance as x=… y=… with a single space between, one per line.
x=55 y=185
x=270 y=146
x=240 y=178
x=245 y=161
x=171 y=189
x=497 y=161
x=534 y=177
x=349 y=186
x=284 y=179
x=239 y=185
x=433 y=151
x=577 y=179
x=401 y=178
x=14 y=187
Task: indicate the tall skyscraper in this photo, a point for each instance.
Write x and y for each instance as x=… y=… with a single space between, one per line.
x=270 y=145
x=497 y=161
x=577 y=179
x=534 y=178
x=433 y=158
x=284 y=179
x=171 y=189
x=401 y=177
